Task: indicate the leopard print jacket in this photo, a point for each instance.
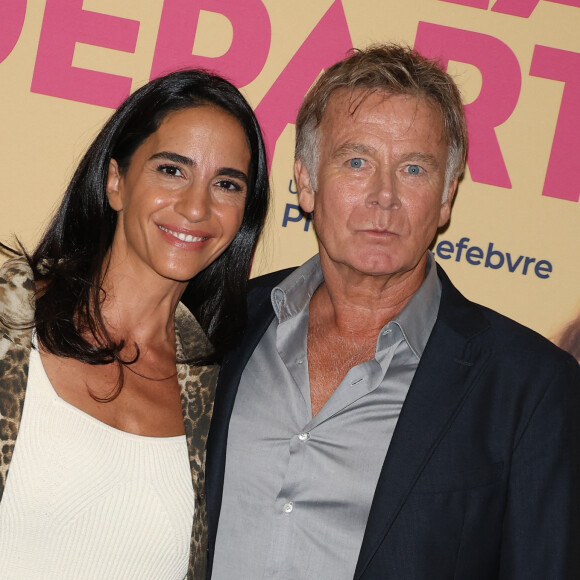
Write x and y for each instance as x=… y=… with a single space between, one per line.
x=197 y=385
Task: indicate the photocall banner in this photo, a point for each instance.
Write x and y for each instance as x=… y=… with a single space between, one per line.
x=514 y=235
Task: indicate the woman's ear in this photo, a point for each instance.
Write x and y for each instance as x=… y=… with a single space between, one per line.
x=114 y=186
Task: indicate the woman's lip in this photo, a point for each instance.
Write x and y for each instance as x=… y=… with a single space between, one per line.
x=184 y=235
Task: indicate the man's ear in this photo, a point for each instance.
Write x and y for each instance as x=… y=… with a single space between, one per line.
x=304 y=186
x=445 y=212
x=114 y=186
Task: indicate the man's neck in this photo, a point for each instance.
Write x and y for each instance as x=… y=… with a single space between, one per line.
x=352 y=303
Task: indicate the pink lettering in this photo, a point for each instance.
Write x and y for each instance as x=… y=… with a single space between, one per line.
x=12 y=13
x=247 y=54
x=482 y=4
x=564 y=66
x=496 y=101
x=66 y=23
x=521 y=8
x=327 y=43
x=524 y=8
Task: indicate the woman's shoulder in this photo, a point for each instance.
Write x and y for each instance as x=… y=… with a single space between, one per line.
x=16 y=270
x=16 y=293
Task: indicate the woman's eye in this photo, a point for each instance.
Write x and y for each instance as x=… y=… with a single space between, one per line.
x=228 y=185
x=356 y=163
x=413 y=169
x=172 y=170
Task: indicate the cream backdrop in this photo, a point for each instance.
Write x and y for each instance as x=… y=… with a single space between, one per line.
x=513 y=240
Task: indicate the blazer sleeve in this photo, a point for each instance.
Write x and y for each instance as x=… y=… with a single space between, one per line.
x=541 y=531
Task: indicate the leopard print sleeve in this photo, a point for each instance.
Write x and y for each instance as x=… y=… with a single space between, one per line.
x=16 y=318
x=197 y=385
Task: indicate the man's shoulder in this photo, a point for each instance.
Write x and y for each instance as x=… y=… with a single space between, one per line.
x=511 y=334
x=267 y=281
x=502 y=334
x=259 y=292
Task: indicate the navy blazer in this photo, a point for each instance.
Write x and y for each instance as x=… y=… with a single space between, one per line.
x=481 y=479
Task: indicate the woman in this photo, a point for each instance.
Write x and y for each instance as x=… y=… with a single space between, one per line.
x=106 y=378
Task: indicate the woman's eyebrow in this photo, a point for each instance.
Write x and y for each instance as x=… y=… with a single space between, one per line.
x=175 y=157
x=232 y=172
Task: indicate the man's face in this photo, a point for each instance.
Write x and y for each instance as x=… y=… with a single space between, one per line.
x=381 y=177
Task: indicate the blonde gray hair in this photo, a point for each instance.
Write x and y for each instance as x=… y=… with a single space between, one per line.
x=395 y=70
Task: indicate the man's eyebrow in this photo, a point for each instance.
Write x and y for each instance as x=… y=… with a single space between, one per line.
x=426 y=158
x=175 y=157
x=233 y=173
x=348 y=148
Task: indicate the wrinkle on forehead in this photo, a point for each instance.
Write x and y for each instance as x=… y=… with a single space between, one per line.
x=355 y=98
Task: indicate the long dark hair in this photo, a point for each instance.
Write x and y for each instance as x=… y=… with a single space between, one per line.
x=70 y=260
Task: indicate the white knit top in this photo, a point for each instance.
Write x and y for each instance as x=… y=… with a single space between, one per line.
x=84 y=500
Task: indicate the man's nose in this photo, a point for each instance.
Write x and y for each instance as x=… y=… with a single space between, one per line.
x=383 y=191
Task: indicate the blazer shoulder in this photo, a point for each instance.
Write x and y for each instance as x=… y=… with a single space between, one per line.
x=493 y=329
x=268 y=281
x=512 y=336
x=258 y=298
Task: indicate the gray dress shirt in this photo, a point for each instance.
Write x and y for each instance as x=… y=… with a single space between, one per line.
x=298 y=489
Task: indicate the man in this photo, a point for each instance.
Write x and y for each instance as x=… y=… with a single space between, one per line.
x=380 y=424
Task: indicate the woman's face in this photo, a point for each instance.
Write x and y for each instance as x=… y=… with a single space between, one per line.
x=181 y=201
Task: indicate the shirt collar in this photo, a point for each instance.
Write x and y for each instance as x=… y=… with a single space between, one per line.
x=416 y=320
x=293 y=294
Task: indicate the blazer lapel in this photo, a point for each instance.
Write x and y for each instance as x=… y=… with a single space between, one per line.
x=447 y=372
x=260 y=315
x=197 y=387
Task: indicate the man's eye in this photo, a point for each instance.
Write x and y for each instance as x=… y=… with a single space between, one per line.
x=356 y=163
x=413 y=169
x=172 y=170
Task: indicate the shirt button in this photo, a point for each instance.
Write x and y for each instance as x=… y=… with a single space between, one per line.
x=304 y=436
x=288 y=507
